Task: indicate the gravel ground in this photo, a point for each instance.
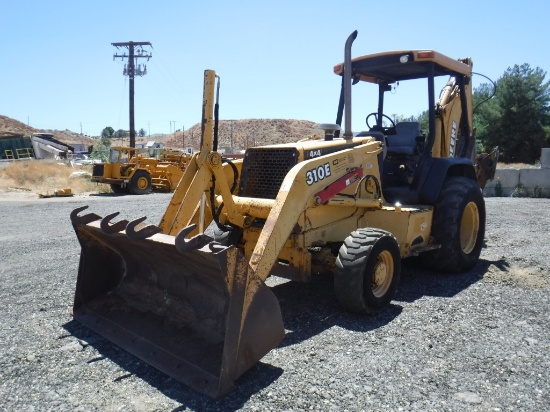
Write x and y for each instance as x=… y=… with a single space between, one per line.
x=475 y=341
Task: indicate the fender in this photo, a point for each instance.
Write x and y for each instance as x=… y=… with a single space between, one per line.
x=436 y=170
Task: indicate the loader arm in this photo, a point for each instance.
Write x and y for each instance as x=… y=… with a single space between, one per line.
x=191 y=308
x=297 y=192
x=196 y=178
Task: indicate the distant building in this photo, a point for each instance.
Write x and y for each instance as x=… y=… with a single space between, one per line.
x=79 y=148
x=150 y=145
x=48 y=147
x=15 y=146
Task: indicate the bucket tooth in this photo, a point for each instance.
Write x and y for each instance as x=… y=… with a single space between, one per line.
x=109 y=228
x=184 y=245
x=136 y=231
x=85 y=219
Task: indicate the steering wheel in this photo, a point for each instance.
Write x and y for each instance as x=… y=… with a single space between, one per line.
x=385 y=130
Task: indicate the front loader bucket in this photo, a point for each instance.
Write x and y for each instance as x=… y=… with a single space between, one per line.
x=201 y=316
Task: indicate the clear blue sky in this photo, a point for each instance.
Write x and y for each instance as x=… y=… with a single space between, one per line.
x=275 y=58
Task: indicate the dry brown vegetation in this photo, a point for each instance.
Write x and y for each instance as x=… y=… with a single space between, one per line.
x=501 y=165
x=45 y=177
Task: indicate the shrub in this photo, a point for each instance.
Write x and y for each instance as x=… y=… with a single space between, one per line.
x=499 y=191
x=519 y=191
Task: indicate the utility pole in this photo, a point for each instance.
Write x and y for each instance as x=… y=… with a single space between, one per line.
x=131 y=71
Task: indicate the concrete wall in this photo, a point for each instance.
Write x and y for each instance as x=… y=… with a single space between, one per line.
x=545 y=158
x=535 y=182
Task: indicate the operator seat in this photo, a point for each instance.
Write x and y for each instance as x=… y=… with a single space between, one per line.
x=404 y=141
x=379 y=136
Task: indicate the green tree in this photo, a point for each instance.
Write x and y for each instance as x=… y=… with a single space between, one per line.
x=142 y=132
x=101 y=150
x=105 y=141
x=423 y=119
x=119 y=134
x=486 y=112
x=517 y=120
x=108 y=132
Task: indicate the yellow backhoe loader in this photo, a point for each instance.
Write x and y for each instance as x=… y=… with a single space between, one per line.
x=189 y=295
x=138 y=171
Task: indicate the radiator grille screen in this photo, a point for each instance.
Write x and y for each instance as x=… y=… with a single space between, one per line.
x=98 y=170
x=264 y=169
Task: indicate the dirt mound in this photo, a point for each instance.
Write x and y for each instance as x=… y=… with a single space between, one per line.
x=244 y=133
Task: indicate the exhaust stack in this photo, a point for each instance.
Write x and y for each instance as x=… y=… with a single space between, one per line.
x=348 y=134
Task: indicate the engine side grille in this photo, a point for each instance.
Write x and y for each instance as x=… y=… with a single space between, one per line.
x=264 y=169
x=98 y=170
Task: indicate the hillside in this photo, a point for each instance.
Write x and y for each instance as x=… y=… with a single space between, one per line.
x=12 y=127
x=238 y=134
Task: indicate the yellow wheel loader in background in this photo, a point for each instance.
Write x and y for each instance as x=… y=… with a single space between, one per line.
x=138 y=171
x=189 y=295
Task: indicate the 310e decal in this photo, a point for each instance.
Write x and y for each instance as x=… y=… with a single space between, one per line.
x=317 y=174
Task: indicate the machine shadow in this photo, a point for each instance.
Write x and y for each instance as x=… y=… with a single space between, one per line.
x=307 y=310
x=310 y=309
x=107 y=194
x=417 y=281
x=254 y=380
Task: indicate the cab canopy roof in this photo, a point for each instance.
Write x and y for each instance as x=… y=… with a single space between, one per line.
x=393 y=66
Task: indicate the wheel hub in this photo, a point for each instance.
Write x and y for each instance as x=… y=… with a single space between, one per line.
x=382 y=274
x=142 y=183
x=469 y=228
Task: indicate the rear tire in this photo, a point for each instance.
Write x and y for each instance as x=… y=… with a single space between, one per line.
x=140 y=184
x=458 y=226
x=368 y=269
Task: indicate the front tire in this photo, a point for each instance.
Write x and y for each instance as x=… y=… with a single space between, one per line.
x=458 y=226
x=117 y=188
x=140 y=184
x=368 y=269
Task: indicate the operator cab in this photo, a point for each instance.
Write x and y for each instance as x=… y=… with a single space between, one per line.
x=409 y=150
x=120 y=154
